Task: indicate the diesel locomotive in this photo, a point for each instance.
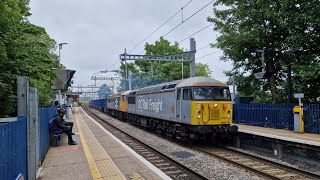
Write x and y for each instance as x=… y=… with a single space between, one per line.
x=189 y=109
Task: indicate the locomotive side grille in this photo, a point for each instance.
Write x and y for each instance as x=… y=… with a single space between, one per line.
x=215 y=113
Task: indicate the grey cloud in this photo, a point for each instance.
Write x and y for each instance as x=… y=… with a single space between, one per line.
x=98 y=30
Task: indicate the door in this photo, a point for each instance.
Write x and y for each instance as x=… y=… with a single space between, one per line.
x=178 y=104
x=185 y=105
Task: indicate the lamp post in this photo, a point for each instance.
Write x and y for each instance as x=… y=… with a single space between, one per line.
x=60 y=47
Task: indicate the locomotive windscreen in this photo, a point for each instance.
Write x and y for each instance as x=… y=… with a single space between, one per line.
x=211 y=93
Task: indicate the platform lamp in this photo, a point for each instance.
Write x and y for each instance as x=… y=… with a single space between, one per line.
x=60 y=47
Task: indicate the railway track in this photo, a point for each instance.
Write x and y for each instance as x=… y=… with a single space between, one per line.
x=169 y=166
x=264 y=167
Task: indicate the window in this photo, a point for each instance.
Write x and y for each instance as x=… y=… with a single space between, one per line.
x=178 y=94
x=163 y=87
x=202 y=93
x=186 y=95
x=221 y=93
x=124 y=98
x=171 y=86
x=131 y=100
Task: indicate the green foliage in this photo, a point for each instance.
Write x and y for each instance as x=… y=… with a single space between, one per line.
x=163 y=71
x=104 y=91
x=25 y=50
x=290 y=27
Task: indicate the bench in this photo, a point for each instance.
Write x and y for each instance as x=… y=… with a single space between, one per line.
x=55 y=135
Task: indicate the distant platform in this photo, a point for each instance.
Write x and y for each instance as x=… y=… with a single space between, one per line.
x=281 y=134
x=98 y=155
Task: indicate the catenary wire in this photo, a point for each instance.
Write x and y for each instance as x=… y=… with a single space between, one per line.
x=160 y=26
x=207 y=55
x=187 y=19
x=196 y=32
x=203 y=47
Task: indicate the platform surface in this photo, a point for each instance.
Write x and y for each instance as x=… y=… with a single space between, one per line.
x=98 y=155
x=281 y=134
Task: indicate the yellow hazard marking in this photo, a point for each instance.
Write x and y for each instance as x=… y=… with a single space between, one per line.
x=101 y=165
x=92 y=165
x=136 y=176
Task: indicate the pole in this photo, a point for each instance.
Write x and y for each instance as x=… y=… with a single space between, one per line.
x=60 y=46
x=181 y=69
x=234 y=85
x=112 y=85
x=289 y=84
x=126 y=65
x=59 y=96
x=130 y=80
x=192 y=57
x=262 y=59
x=151 y=68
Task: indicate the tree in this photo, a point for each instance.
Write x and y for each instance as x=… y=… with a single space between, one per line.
x=25 y=50
x=34 y=58
x=104 y=91
x=163 y=71
x=289 y=27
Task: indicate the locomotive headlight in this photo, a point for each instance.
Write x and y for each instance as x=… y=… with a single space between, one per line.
x=215 y=105
x=199 y=116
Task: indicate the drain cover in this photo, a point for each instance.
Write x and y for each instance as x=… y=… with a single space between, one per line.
x=183 y=154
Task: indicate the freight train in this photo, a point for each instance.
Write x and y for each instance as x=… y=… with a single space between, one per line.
x=190 y=109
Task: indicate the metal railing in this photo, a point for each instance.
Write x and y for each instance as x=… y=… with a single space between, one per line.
x=45 y=115
x=278 y=116
x=311 y=117
x=13 y=148
x=265 y=115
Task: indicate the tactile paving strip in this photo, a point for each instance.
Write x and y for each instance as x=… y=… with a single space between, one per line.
x=100 y=163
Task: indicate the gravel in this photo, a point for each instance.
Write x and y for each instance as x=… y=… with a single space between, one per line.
x=285 y=160
x=208 y=166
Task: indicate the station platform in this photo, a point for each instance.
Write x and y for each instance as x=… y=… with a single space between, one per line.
x=98 y=155
x=281 y=134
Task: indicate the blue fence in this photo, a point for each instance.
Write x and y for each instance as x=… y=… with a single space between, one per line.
x=311 y=118
x=45 y=115
x=276 y=116
x=13 y=149
x=265 y=115
x=98 y=103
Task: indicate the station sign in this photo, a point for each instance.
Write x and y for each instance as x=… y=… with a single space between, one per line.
x=299 y=95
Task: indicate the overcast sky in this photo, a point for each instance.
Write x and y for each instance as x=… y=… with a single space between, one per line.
x=97 y=31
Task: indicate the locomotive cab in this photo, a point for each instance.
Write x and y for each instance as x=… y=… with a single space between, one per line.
x=206 y=107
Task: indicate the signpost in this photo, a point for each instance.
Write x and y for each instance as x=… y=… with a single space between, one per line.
x=298 y=114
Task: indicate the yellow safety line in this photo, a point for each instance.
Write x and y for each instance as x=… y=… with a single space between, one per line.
x=104 y=152
x=92 y=165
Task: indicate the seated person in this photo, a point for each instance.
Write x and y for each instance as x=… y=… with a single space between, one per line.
x=64 y=126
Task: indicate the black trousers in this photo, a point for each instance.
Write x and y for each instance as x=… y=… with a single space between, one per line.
x=69 y=124
x=68 y=132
